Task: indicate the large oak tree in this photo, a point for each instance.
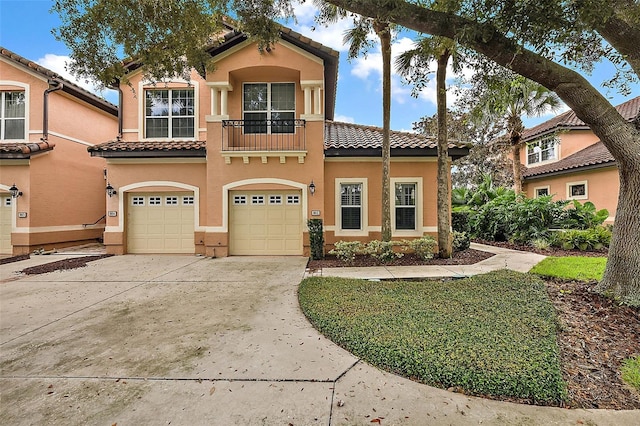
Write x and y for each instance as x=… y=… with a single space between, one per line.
x=538 y=40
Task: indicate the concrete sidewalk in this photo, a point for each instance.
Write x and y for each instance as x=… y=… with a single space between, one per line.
x=185 y=340
x=520 y=261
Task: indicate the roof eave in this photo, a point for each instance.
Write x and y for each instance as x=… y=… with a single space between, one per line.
x=585 y=168
x=192 y=153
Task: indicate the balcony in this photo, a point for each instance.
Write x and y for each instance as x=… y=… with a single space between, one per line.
x=263 y=139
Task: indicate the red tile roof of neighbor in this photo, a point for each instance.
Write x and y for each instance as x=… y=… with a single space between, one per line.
x=19 y=150
x=593 y=156
x=569 y=121
x=169 y=148
x=68 y=86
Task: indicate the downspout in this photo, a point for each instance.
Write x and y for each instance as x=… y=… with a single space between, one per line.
x=54 y=85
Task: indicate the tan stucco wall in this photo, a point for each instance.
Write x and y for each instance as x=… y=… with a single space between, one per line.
x=63 y=188
x=603 y=186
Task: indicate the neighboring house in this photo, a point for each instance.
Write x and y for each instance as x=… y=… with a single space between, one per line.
x=564 y=158
x=52 y=194
x=235 y=164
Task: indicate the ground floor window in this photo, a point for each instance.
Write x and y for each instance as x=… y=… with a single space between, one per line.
x=577 y=190
x=405 y=206
x=541 y=191
x=351 y=205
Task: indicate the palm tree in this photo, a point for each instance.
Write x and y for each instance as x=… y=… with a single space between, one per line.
x=508 y=97
x=412 y=64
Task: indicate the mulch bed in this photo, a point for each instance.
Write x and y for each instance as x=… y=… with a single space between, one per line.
x=551 y=251
x=72 y=263
x=465 y=257
x=12 y=259
x=596 y=335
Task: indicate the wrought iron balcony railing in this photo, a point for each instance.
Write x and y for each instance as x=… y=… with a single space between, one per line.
x=263 y=135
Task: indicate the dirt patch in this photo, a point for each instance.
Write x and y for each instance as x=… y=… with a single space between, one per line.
x=72 y=263
x=596 y=335
x=14 y=259
x=465 y=257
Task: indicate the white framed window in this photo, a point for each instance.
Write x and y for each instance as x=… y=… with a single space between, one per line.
x=541 y=191
x=169 y=113
x=137 y=201
x=155 y=201
x=257 y=199
x=545 y=149
x=239 y=199
x=269 y=107
x=275 y=199
x=12 y=115
x=171 y=201
x=577 y=190
x=405 y=206
x=187 y=200
x=293 y=199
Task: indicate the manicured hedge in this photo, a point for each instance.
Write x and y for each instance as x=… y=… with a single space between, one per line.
x=493 y=334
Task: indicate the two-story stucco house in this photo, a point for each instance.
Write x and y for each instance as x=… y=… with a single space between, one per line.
x=236 y=163
x=564 y=158
x=52 y=193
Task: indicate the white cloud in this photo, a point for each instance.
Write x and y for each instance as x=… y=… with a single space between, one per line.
x=344 y=118
x=58 y=64
x=331 y=36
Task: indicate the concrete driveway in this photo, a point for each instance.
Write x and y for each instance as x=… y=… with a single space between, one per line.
x=185 y=340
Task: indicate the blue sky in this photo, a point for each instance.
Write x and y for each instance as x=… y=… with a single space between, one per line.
x=25 y=28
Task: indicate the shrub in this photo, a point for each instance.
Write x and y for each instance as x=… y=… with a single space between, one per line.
x=460 y=220
x=382 y=251
x=631 y=372
x=423 y=247
x=461 y=241
x=316 y=238
x=347 y=250
x=582 y=216
x=541 y=244
x=587 y=239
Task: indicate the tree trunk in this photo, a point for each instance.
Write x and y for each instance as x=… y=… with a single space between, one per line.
x=444 y=168
x=383 y=31
x=515 y=139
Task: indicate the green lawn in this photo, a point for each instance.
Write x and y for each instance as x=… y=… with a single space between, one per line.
x=493 y=334
x=572 y=268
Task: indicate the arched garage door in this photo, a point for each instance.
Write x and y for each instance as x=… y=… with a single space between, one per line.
x=265 y=223
x=5 y=224
x=160 y=222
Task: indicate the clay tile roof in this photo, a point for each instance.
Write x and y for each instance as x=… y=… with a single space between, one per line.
x=68 y=86
x=346 y=135
x=171 y=148
x=24 y=149
x=592 y=156
x=569 y=121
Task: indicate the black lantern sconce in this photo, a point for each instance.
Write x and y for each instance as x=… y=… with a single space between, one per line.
x=312 y=188
x=15 y=192
x=111 y=191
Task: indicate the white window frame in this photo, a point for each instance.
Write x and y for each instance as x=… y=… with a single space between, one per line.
x=364 y=208
x=293 y=199
x=24 y=118
x=275 y=199
x=258 y=200
x=418 y=231
x=138 y=200
x=536 y=144
x=171 y=200
x=578 y=197
x=187 y=200
x=155 y=200
x=535 y=191
x=269 y=110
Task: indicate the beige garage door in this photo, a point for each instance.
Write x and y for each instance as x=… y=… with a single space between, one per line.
x=160 y=223
x=5 y=224
x=265 y=223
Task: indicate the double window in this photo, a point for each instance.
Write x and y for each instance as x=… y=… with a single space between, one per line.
x=170 y=113
x=542 y=150
x=269 y=107
x=12 y=115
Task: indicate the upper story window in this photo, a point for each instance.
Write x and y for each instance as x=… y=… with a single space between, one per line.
x=269 y=107
x=12 y=115
x=169 y=113
x=542 y=150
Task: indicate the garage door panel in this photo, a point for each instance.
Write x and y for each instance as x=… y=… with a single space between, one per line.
x=5 y=224
x=156 y=223
x=270 y=228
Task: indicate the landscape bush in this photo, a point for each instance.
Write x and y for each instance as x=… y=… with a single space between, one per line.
x=461 y=241
x=631 y=372
x=347 y=250
x=423 y=247
x=582 y=239
x=383 y=251
x=316 y=238
x=460 y=220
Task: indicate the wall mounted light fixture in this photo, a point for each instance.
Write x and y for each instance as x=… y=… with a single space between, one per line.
x=15 y=192
x=111 y=191
x=312 y=188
